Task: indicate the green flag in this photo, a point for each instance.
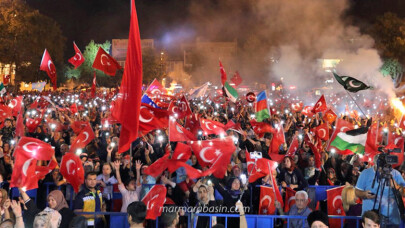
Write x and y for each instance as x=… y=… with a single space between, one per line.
x=2 y=89
x=351 y=84
x=230 y=92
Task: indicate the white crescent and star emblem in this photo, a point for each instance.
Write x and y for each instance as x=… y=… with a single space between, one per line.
x=179 y=129
x=207 y=125
x=13 y=103
x=154 y=197
x=180 y=156
x=107 y=61
x=396 y=140
x=87 y=137
x=143 y=119
x=266 y=197
x=156 y=92
x=25 y=147
x=323 y=135
x=335 y=199
x=68 y=163
x=183 y=106
x=79 y=55
x=51 y=65
x=26 y=165
x=342 y=129
x=318 y=105
x=202 y=155
x=290 y=199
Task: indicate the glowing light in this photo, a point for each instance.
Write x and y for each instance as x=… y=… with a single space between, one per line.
x=78 y=151
x=160 y=138
x=113 y=144
x=397 y=104
x=53 y=126
x=333 y=150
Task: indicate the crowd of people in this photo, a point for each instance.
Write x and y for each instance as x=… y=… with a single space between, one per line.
x=108 y=172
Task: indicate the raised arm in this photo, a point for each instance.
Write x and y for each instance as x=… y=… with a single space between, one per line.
x=117 y=171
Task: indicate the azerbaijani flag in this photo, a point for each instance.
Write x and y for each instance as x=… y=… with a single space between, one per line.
x=262 y=111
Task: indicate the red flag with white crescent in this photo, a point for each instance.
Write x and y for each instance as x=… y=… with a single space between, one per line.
x=267 y=201
x=293 y=147
x=105 y=63
x=179 y=133
x=48 y=66
x=154 y=201
x=15 y=104
x=322 y=131
x=236 y=79
x=215 y=153
x=5 y=112
x=335 y=205
x=72 y=170
x=320 y=105
x=289 y=199
x=152 y=118
x=155 y=89
x=84 y=138
x=78 y=58
x=212 y=127
x=27 y=152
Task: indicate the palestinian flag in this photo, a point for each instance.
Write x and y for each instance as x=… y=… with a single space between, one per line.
x=351 y=84
x=2 y=89
x=230 y=92
x=262 y=111
x=353 y=140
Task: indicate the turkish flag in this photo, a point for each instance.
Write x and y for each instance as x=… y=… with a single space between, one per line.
x=128 y=103
x=181 y=108
x=55 y=125
x=15 y=104
x=19 y=128
x=42 y=171
x=84 y=138
x=307 y=111
x=179 y=133
x=267 y=199
x=320 y=106
x=154 y=201
x=330 y=116
x=315 y=144
x=293 y=147
x=78 y=58
x=93 y=86
x=276 y=188
x=297 y=107
x=278 y=140
x=397 y=141
x=261 y=168
x=402 y=123
x=158 y=166
x=335 y=205
x=236 y=79
x=161 y=103
x=155 y=89
x=193 y=124
x=152 y=118
x=223 y=73
x=77 y=126
x=289 y=199
x=106 y=63
x=5 y=112
x=322 y=131
x=261 y=127
x=340 y=126
x=71 y=168
x=215 y=153
x=32 y=124
x=27 y=152
x=48 y=66
x=212 y=127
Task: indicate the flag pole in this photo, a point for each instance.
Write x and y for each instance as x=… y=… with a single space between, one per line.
x=361 y=110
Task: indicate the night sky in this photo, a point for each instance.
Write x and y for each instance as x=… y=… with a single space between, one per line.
x=100 y=20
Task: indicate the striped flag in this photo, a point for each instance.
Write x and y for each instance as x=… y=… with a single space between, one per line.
x=262 y=111
x=2 y=89
x=231 y=92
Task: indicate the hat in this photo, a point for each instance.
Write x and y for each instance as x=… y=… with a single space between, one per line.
x=317 y=216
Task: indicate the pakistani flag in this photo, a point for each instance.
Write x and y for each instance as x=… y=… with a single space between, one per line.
x=354 y=140
x=2 y=89
x=230 y=92
x=351 y=84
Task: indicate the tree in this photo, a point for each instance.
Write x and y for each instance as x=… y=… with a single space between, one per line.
x=389 y=33
x=394 y=69
x=24 y=35
x=85 y=72
x=150 y=66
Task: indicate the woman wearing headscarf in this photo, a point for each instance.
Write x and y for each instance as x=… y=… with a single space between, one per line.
x=56 y=201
